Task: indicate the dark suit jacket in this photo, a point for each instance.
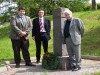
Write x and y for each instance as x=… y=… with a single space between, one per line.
x=36 y=28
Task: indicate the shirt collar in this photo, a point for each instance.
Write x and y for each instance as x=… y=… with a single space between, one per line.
x=21 y=16
x=41 y=18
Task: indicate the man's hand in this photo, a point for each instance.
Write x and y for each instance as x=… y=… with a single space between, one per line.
x=21 y=34
x=33 y=37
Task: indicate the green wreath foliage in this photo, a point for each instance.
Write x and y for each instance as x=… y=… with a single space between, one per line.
x=50 y=61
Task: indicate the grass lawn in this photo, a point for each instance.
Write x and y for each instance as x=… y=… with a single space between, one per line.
x=90 y=41
x=95 y=73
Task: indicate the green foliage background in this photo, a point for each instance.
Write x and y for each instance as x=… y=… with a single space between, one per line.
x=32 y=7
x=48 y=5
x=90 y=41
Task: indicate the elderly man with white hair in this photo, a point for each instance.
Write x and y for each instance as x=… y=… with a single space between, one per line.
x=73 y=32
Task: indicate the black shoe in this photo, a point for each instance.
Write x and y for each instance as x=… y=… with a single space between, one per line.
x=29 y=64
x=78 y=67
x=74 y=68
x=17 y=65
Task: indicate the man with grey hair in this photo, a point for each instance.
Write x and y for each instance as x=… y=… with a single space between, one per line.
x=73 y=32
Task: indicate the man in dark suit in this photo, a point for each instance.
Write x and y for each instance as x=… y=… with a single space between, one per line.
x=41 y=33
x=21 y=25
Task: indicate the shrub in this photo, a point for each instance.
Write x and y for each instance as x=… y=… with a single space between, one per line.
x=98 y=5
x=88 y=7
x=50 y=61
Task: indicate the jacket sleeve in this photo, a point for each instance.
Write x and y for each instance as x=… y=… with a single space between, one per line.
x=14 y=25
x=49 y=28
x=81 y=27
x=33 y=28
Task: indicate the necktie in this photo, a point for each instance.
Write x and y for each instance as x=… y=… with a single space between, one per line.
x=41 y=26
x=22 y=20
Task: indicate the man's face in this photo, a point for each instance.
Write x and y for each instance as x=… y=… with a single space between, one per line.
x=41 y=13
x=68 y=15
x=22 y=12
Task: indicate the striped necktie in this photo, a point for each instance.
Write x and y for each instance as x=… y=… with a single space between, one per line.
x=41 y=26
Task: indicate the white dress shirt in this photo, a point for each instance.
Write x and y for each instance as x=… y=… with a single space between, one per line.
x=42 y=19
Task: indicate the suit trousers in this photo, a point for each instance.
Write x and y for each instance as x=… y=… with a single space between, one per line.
x=22 y=44
x=42 y=40
x=74 y=52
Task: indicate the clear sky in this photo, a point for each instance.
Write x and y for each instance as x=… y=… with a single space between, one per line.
x=97 y=1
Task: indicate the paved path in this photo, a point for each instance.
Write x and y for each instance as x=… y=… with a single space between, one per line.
x=88 y=67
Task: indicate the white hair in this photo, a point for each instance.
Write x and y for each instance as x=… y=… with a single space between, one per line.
x=68 y=11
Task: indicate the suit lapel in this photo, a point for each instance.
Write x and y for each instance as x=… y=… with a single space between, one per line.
x=23 y=23
x=71 y=23
x=19 y=19
x=37 y=21
x=44 y=21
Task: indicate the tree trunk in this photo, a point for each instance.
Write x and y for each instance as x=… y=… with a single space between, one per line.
x=94 y=5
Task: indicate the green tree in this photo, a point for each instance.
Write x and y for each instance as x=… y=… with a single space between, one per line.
x=7 y=15
x=48 y=5
x=0 y=1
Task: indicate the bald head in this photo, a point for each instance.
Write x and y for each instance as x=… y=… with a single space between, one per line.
x=68 y=14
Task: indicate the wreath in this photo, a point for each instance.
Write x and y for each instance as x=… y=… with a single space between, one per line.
x=50 y=61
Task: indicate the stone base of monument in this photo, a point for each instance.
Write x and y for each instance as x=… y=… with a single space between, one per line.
x=63 y=63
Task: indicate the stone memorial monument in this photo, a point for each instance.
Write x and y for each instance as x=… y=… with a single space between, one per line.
x=59 y=47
